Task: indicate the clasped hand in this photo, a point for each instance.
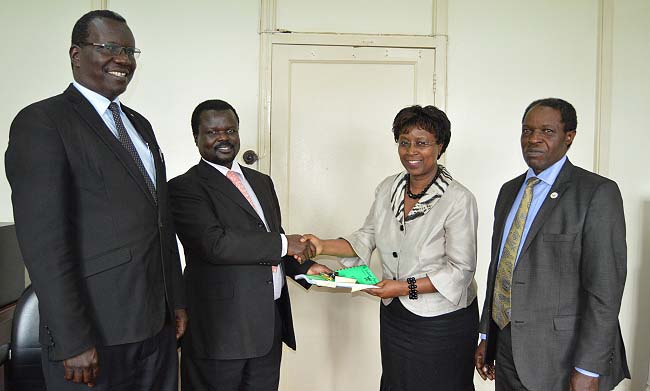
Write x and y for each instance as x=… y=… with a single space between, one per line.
x=301 y=248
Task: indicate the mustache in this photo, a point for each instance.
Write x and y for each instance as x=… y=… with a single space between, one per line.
x=224 y=144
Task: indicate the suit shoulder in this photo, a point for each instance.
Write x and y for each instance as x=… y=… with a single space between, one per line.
x=250 y=173
x=588 y=177
x=45 y=106
x=458 y=190
x=185 y=178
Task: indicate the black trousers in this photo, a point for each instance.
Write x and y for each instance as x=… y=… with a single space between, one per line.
x=251 y=374
x=149 y=365
x=506 y=372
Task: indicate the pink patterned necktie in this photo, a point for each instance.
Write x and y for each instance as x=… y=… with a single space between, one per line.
x=234 y=178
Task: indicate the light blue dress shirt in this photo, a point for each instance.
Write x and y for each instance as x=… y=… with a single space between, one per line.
x=100 y=103
x=540 y=192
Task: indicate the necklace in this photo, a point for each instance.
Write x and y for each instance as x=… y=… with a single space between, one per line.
x=424 y=191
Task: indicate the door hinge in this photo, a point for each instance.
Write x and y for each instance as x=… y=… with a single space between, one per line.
x=433 y=86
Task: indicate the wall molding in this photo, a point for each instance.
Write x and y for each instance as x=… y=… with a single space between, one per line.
x=603 y=86
x=99 y=4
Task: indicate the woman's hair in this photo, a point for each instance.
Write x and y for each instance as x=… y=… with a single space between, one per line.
x=429 y=118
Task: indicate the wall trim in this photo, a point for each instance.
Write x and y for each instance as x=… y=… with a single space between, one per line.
x=603 y=86
x=99 y=4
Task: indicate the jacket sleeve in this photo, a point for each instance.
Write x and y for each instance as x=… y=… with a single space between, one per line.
x=451 y=278
x=602 y=272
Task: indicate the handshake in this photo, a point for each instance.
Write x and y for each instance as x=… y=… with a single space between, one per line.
x=303 y=247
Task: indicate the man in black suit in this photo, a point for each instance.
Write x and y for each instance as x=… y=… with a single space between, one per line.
x=228 y=220
x=91 y=207
x=555 y=283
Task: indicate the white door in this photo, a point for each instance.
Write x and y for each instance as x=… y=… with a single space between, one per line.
x=331 y=144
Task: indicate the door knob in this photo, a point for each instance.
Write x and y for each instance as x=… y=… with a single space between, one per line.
x=250 y=157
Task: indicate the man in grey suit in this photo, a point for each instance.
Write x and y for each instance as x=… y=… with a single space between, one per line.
x=555 y=282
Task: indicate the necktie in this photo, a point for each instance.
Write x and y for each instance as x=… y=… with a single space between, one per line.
x=234 y=178
x=130 y=148
x=501 y=304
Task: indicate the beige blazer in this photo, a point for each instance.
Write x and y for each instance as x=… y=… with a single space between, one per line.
x=440 y=245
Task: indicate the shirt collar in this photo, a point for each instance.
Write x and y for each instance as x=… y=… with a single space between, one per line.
x=549 y=175
x=224 y=170
x=99 y=102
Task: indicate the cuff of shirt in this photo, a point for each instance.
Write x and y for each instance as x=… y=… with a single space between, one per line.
x=590 y=374
x=483 y=336
x=284 y=245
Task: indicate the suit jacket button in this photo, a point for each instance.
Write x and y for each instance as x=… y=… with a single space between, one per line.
x=261 y=225
x=270 y=282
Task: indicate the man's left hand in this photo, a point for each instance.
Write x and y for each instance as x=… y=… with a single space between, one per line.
x=317 y=268
x=181 y=322
x=580 y=382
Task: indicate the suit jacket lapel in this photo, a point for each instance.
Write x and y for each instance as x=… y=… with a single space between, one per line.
x=264 y=197
x=147 y=135
x=217 y=181
x=559 y=187
x=90 y=115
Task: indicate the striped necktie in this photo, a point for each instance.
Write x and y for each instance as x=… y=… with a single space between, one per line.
x=501 y=304
x=130 y=148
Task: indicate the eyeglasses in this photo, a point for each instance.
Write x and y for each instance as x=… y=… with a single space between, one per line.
x=114 y=49
x=418 y=144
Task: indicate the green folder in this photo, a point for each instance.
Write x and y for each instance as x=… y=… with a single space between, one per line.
x=361 y=273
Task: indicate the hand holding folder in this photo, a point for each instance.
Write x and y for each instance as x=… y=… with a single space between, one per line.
x=357 y=278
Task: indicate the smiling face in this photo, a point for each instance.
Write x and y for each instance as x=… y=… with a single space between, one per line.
x=218 y=137
x=418 y=151
x=98 y=70
x=543 y=139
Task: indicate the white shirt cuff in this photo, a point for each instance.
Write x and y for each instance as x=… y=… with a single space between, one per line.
x=483 y=336
x=284 y=245
x=590 y=374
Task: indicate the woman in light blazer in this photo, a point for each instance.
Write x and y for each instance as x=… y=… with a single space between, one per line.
x=423 y=224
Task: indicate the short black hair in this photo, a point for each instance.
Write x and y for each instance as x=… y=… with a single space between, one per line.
x=567 y=111
x=80 y=30
x=429 y=118
x=212 y=104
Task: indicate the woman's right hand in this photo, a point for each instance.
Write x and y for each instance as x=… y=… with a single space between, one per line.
x=315 y=242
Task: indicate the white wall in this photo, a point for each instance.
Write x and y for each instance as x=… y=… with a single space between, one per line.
x=628 y=164
x=35 y=63
x=502 y=55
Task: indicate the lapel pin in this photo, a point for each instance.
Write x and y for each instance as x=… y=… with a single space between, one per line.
x=554 y=195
